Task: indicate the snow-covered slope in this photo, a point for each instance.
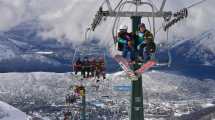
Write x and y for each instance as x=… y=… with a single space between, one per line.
x=169 y=86
x=40 y=91
x=8 y=112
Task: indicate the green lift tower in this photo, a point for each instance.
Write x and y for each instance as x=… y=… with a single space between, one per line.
x=137 y=112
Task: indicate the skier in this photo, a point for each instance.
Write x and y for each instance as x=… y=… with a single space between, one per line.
x=144 y=43
x=98 y=69
x=72 y=98
x=78 y=65
x=82 y=90
x=85 y=67
x=67 y=115
x=92 y=67
x=125 y=42
x=67 y=99
x=102 y=67
x=77 y=90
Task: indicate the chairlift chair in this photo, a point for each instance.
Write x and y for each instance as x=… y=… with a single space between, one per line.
x=116 y=24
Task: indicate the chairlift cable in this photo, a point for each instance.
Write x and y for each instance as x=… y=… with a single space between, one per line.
x=115 y=22
x=150 y=27
x=168 y=49
x=153 y=20
x=195 y=4
x=103 y=2
x=121 y=6
x=118 y=5
x=153 y=5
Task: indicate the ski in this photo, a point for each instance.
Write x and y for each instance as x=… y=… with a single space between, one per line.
x=145 y=67
x=124 y=65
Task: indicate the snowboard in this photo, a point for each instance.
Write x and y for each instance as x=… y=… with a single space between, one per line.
x=145 y=67
x=124 y=65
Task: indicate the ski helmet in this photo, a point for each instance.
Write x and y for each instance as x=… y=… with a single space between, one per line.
x=123 y=27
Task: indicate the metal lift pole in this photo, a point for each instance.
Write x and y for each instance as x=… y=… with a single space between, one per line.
x=137 y=110
x=83 y=108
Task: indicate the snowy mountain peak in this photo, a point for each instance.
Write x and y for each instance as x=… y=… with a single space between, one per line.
x=199 y=49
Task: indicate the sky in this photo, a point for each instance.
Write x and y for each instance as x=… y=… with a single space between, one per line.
x=68 y=19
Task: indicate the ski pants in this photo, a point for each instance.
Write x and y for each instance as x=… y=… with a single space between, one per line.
x=126 y=51
x=144 y=54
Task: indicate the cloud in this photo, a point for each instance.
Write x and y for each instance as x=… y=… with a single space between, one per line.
x=12 y=13
x=68 y=19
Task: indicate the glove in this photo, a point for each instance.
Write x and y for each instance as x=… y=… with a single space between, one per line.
x=130 y=44
x=138 y=47
x=143 y=44
x=151 y=47
x=122 y=41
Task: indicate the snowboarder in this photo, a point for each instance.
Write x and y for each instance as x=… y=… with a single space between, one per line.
x=144 y=43
x=78 y=65
x=125 y=42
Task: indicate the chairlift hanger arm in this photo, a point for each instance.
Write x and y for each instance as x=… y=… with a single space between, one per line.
x=162 y=5
x=111 y=13
x=195 y=4
x=109 y=5
x=141 y=14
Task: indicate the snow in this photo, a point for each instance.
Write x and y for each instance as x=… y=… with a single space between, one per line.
x=8 y=112
x=162 y=90
x=6 y=52
x=207 y=105
x=98 y=104
x=45 y=53
x=166 y=86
